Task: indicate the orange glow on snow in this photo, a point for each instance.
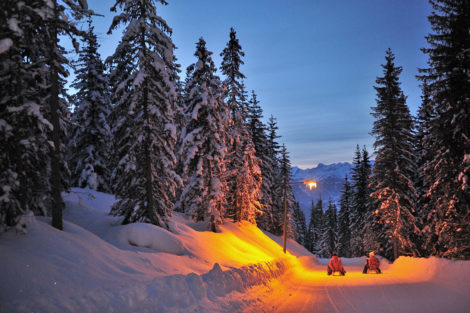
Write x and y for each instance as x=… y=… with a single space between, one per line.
x=236 y=245
x=403 y=270
x=241 y=244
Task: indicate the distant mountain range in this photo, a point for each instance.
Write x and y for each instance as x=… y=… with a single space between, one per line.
x=330 y=180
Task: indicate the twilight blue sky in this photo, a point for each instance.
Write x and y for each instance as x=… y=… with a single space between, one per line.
x=312 y=63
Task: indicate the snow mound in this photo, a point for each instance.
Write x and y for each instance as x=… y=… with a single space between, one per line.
x=153 y=237
x=97 y=265
x=220 y=283
x=433 y=268
x=26 y=221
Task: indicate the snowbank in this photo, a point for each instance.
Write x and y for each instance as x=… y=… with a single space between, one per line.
x=98 y=265
x=435 y=269
x=152 y=237
x=219 y=283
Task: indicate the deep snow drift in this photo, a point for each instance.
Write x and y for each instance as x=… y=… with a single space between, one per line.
x=97 y=265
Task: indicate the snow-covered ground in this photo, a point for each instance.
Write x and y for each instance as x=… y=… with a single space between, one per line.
x=408 y=285
x=97 y=265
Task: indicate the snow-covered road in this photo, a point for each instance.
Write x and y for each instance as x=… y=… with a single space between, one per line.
x=310 y=290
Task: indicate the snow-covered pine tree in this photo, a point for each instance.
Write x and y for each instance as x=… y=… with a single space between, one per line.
x=448 y=172
x=308 y=244
x=33 y=31
x=271 y=156
x=259 y=137
x=267 y=220
x=256 y=126
x=203 y=142
x=243 y=173
x=61 y=18
x=328 y=239
x=314 y=230
x=230 y=67
x=245 y=185
x=360 y=200
x=288 y=199
x=90 y=131
x=179 y=107
x=394 y=167
x=299 y=224
x=423 y=156
x=344 y=231
x=422 y=122
x=373 y=234
x=273 y=145
x=143 y=94
x=180 y=119
x=24 y=128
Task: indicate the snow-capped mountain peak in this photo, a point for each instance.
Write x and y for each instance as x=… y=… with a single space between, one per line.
x=330 y=179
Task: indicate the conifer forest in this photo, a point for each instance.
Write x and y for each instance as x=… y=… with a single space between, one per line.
x=164 y=139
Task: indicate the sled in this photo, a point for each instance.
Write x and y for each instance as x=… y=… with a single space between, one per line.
x=372 y=272
x=336 y=274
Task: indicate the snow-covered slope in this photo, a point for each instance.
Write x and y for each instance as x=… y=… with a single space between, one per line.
x=330 y=180
x=97 y=265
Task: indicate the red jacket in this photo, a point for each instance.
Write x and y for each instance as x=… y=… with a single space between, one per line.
x=335 y=264
x=373 y=262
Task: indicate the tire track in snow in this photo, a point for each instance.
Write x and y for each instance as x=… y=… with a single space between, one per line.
x=307 y=305
x=343 y=294
x=330 y=299
x=387 y=300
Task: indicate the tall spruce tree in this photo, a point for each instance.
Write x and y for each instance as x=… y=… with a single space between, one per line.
x=273 y=145
x=90 y=131
x=422 y=123
x=31 y=37
x=360 y=200
x=394 y=167
x=288 y=199
x=259 y=137
x=423 y=156
x=24 y=126
x=328 y=239
x=244 y=185
x=230 y=67
x=447 y=172
x=315 y=230
x=309 y=244
x=243 y=173
x=143 y=93
x=203 y=142
x=344 y=231
x=271 y=209
x=299 y=224
x=61 y=20
x=372 y=230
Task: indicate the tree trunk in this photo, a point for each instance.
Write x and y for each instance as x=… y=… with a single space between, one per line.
x=148 y=165
x=147 y=141
x=395 y=247
x=55 y=178
x=284 y=226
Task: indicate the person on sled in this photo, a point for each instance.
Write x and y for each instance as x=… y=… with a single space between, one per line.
x=335 y=265
x=372 y=264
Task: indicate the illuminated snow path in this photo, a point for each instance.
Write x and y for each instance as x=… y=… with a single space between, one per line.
x=410 y=285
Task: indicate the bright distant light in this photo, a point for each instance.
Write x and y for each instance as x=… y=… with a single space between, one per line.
x=311 y=184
